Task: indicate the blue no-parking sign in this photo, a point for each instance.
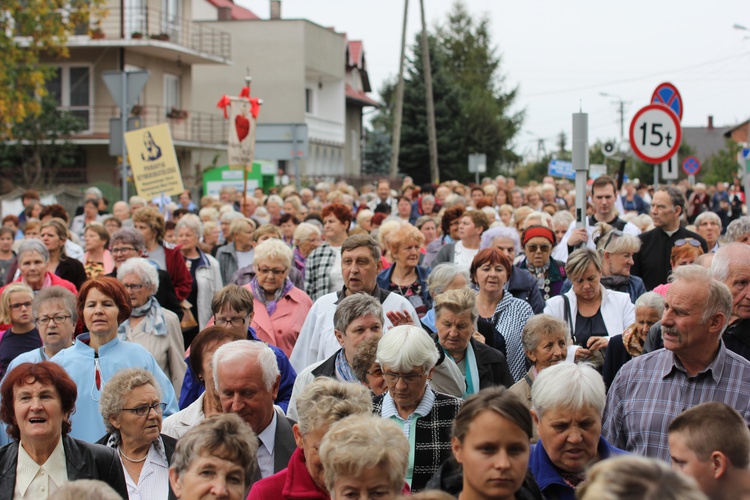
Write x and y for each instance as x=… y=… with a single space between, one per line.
x=668 y=95
x=691 y=165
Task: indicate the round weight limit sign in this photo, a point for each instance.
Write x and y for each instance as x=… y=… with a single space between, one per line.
x=655 y=133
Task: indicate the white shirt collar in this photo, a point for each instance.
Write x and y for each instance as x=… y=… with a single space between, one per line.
x=27 y=469
x=268 y=435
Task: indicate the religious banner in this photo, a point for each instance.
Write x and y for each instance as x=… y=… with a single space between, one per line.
x=153 y=160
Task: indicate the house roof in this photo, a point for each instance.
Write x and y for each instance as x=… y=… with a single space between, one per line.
x=238 y=13
x=355 y=53
x=729 y=130
x=705 y=141
x=359 y=97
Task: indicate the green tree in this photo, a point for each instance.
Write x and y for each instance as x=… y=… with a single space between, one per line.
x=41 y=146
x=722 y=166
x=30 y=30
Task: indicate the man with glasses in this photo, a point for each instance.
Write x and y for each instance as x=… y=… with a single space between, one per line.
x=128 y=243
x=232 y=309
x=653 y=263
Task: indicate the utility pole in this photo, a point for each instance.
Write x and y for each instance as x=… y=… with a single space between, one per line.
x=431 y=133
x=396 y=138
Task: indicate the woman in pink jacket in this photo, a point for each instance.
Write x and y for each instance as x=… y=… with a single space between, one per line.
x=279 y=308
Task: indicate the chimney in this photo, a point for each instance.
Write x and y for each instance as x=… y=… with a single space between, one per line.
x=225 y=13
x=710 y=122
x=275 y=9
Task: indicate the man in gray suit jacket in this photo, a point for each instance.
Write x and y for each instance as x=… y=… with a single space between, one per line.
x=247 y=379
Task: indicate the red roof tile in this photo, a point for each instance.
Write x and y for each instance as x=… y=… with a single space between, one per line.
x=355 y=53
x=360 y=97
x=238 y=13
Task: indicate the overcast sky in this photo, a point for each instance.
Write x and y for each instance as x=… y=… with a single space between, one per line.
x=563 y=53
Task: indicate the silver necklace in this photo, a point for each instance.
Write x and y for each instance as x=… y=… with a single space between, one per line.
x=130 y=459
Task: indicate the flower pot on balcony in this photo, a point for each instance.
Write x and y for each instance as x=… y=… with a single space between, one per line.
x=177 y=114
x=137 y=110
x=161 y=36
x=136 y=35
x=96 y=34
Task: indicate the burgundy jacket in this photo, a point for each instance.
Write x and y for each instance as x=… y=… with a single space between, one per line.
x=182 y=281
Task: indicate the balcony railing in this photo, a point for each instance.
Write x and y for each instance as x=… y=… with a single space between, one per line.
x=145 y=23
x=186 y=126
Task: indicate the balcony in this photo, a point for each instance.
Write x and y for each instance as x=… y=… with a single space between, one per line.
x=189 y=128
x=156 y=33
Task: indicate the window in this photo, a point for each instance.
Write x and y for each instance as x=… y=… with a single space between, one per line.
x=171 y=18
x=308 y=100
x=70 y=86
x=171 y=92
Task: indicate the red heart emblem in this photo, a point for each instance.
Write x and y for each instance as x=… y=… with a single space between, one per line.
x=242 y=125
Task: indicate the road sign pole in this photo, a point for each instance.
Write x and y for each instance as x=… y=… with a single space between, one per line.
x=581 y=163
x=656 y=176
x=124 y=128
x=297 y=180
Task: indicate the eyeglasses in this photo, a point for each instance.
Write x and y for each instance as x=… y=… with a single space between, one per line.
x=230 y=321
x=133 y=287
x=144 y=410
x=275 y=272
x=688 y=241
x=408 y=378
x=536 y=248
x=121 y=250
x=57 y=319
x=612 y=234
x=18 y=306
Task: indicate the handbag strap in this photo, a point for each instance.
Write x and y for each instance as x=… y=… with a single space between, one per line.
x=568 y=318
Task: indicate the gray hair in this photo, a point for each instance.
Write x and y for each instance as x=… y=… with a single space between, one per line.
x=93 y=193
x=137 y=200
x=719 y=296
x=570 y=386
x=248 y=351
x=325 y=401
x=353 y=307
x=406 y=347
x=86 y=489
x=580 y=260
x=562 y=217
x=192 y=222
x=613 y=243
x=225 y=436
x=738 y=228
x=459 y=302
x=707 y=215
x=725 y=256
x=142 y=268
x=541 y=325
x=112 y=399
x=493 y=233
x=33 y=245
x=273 y=250
x=274 y=198
x=304 y=231
x=544 y=218
x=652 y=300
x=443 y=275
x=210 y=212
x=129 y=236
x=56 y=294
x=231 y=215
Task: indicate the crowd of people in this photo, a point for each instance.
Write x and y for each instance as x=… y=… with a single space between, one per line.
x=450 y=341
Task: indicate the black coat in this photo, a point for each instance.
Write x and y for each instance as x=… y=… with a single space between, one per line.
x=523 y=285
x=615 y=358
x=450 y=479
x=165 y=294
x=737 y=338
x=492 y=366
x=652 y=263
x=83 y=461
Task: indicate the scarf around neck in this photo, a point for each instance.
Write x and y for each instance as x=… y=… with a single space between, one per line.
x=154 y=322
x=260 y=294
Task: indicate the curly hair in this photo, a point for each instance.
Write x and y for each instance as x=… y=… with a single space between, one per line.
x=153 y=219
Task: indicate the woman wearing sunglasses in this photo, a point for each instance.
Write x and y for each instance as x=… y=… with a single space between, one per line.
x=684 y=252
x=538 y=242
x=132 y=408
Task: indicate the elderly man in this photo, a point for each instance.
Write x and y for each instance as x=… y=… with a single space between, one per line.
x=384 y=196
x=739 y=230
x=652 y=263
x=708 y=225
x=247 y=380
x=239 y=252
x=249 y=206
x=360 y=264
x=121 y=210
x=232 y=309
x=711 y=443
x=694 y=367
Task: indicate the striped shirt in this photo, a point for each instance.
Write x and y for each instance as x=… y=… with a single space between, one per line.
x=654 y=388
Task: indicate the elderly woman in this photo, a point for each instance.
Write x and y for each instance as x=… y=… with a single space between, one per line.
x=132 y=408
x=684 y=252
x=323 y=274
x=55 y=311
x=521 y=284
x=151 y=225
x=16 y=309
x=708 y=225
x=538 y=242
x=97 y=260
x=32 y=264
x=567 y=405
x=322 y=403
x=364 y=219
x=428 y=227
x=616 y=251
x=490 y=438
x=622 y=348
x=90 y=214
x=216 y=458
x=365 y=457
x=150 y=325
x=204 y=269
x=470 y=228
x=501 y=315
x=43 y=444
x=449 y=230
x=592 y=312
x=210 y=236
x=444 y=277
x=128 y=243
x=54 y=235
x=366 y=367
x=306 y=239
x=208 y=404
x=406 y=277
x=407 y=357
x=481 y=365
x=112 y=224
x=280 y=307
x=95 y=357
